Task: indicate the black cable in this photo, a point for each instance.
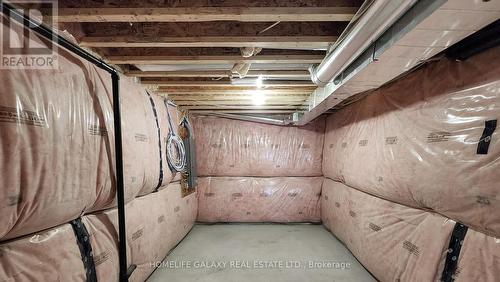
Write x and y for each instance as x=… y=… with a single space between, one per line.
x=155 y=113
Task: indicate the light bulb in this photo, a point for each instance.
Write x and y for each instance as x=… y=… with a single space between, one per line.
x=259 y=81
x=258 y=98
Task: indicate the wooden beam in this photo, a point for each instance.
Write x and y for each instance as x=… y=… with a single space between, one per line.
x=265 y=73
x=234 y=88
x=208 y=74
x=275 y=42
x=236 y=97
x=219 y=28
x=276 y=83
x=243 y=111
x=203 y=14
x=238 y=103
x=237 y=107
x=203 y=60
x=180 y=92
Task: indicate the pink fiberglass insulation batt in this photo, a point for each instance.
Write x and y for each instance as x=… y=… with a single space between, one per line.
x=479 y=258
x=155 y=224
x=161 y=111
x=394 y=242
x=56 y=151
x=53 y=255
x=421 y=141
x=57 y=144
x=253 y=199
x=226 y=147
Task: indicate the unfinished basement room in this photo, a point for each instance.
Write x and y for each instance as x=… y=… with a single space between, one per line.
x=258 y=140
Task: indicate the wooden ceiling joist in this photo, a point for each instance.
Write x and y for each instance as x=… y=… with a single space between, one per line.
x=274 y=42
x=237 y=107
x=215 y=74
x=212 y=29
x=191 y=98
x=207 y=74
x=180 y=92
x=204 y=60
x=188 y=49
x=236 y=88
x=181 y=83
x=243 y=111
x=202 y=14
x=238 y=103
x=235 y=95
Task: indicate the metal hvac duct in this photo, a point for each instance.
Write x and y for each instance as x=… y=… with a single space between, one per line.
x=371 y=21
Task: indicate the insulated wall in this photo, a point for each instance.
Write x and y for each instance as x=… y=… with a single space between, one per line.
x=57 y=143
x=256 y=199
x=56 y=155
x=394 y=242
x=428 y=141
x=167 y=123
x=53 y=255
x=155 y=224
x=226 y=147
x=399 y=243
x=57 y=170
x=479 y=258
x=415 y=174
x=255 y=172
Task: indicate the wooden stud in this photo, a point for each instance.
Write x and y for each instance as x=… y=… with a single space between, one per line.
x=237 y=107
x=275 y=83
x=202 y=14
x=239 y=111
x=275 y=42
x=273 y=96
x=239 y=103
x=238 y=92
x=203 y=60
x=264 y=73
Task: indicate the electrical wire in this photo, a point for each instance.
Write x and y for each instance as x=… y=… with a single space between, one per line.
x=176 y=152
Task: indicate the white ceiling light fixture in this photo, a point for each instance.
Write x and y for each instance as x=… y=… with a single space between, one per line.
x=259 y=82
x=258 y=98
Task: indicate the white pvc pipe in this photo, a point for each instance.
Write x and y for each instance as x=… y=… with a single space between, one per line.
x=258 y=119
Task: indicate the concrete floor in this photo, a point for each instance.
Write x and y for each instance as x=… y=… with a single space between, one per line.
x=260 y=252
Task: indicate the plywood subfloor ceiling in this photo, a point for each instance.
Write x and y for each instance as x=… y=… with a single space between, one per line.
x=185 y=49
